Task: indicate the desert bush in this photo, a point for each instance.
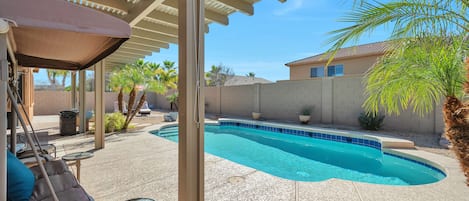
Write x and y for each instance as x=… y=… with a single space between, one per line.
x=114 y=122
x=371 y=121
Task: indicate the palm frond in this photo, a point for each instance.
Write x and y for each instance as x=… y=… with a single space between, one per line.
x=418 y=73
x=408 y=18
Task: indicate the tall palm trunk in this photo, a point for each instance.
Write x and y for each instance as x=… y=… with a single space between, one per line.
x=457 y=131
x=130 y=105
x=139 y=105
x=455 y=115
x=64 y=78
x=120 y=98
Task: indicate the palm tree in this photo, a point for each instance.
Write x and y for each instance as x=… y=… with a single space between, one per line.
x=251 y=75
x=173 y=100
x=168 y=76
x=425 y=60
x=218 y=75
x=140 y=75
x=169 y=65
x=53 y=74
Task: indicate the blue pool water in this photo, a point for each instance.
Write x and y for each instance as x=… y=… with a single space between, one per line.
x=309 y=159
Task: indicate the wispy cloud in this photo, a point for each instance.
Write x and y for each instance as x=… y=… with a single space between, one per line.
x=290 y=5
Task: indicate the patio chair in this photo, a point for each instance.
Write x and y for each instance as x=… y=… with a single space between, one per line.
x=65 y=183
x=145 y=110
x=30 y=184
x=124 y=107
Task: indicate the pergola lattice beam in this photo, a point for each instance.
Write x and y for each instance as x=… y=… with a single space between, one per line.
x=141 y=10
x=157 y=28
x=140 y=33
x=133 y=51
x=239 y=5
x=149 y=43
x=135 y=46
x=209 y=14
x=113 y=6
x=158 y=15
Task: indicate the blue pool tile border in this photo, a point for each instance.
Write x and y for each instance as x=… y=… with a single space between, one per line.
x=317 y=135
x=416 y=161
x=323 y=136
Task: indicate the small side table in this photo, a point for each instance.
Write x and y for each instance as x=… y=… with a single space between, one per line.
x=77 y=157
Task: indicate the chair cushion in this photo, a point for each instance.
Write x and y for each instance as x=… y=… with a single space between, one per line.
x=20 y=180
x=65 y=184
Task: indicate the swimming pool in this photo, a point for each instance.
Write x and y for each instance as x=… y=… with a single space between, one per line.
x=303 y=156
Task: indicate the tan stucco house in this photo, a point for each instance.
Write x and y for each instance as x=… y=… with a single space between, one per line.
x=354 y=60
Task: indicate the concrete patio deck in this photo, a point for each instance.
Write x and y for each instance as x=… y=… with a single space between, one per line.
x=139 y=164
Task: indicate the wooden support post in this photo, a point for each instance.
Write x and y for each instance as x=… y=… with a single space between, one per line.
x=191 y=120
x=99 y=105
x=82 y=102
x=74 y=89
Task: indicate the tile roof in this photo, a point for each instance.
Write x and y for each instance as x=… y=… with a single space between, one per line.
x=354 y=51
x=244 y=80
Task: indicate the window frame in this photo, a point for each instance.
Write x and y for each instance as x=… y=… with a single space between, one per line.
x=316 y=71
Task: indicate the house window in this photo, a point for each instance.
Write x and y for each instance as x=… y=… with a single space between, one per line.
x=317 y=72
x=337 y=70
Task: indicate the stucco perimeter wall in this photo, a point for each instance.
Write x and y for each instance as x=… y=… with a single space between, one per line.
x=212 y=100
x=159 y=101
x=348 y=99
x=284 y=100
x=336 y=100
x=237 y=100
x=52 y=102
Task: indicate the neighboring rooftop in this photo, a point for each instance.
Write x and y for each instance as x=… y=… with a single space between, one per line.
x=245 y=80
x=348 y=52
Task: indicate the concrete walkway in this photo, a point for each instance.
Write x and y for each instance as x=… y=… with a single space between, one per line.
x=140 y=164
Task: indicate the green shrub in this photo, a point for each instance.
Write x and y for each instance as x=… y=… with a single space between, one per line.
x=371 y=121
x=306 y=110
x=113 y=122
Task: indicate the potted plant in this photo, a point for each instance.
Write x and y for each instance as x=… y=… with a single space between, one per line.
x=256 y=115
x=305 y=114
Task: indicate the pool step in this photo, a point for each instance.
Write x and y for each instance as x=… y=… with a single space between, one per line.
x=168 y=132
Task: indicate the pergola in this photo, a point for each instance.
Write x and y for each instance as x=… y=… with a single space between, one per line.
x=155 y=24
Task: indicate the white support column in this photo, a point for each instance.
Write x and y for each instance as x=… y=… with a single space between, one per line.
x=3 y=114
x=82 y=101
x=99 y=105
x=73 y=89
x=191 y=120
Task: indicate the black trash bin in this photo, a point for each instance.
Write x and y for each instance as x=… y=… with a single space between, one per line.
x=68 y=122
x=10 y=122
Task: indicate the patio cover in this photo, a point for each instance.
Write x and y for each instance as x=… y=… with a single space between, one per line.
x=61 y=35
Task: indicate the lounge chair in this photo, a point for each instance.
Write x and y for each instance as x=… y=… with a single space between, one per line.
x=172 y=116
x=145 y=110
x=124 y=107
